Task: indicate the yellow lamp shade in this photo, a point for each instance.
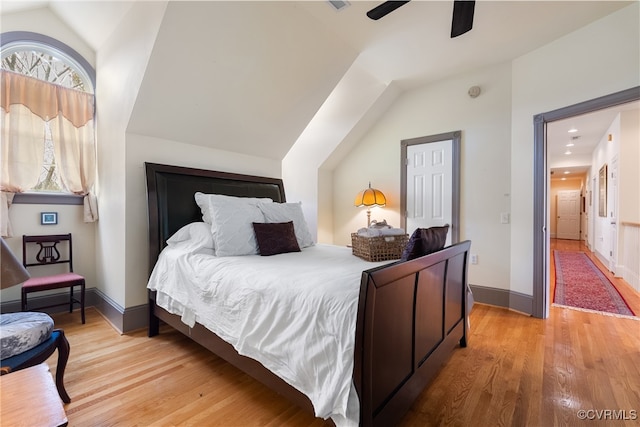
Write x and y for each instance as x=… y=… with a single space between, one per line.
x=370 y=197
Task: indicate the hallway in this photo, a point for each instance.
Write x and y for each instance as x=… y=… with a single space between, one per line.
x=628 y=293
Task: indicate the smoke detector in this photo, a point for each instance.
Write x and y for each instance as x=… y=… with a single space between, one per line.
x=338 y=4
x=474 y=91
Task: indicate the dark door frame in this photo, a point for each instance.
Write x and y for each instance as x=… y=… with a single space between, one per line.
x=540 y=180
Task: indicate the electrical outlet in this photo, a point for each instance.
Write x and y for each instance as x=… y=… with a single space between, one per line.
x=504 y=218
x=474 y=259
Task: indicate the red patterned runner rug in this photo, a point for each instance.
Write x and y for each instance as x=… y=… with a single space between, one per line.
x=580 y=284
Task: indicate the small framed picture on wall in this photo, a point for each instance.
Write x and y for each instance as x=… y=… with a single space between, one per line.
x=48 y=218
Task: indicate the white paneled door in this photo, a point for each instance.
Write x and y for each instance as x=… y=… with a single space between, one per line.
x=568 y=209
x=429 y=185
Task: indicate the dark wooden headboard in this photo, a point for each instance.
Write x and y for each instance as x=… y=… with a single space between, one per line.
x=171 y=204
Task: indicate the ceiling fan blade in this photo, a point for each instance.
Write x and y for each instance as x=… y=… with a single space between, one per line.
x=462 y=20
x=384 y=9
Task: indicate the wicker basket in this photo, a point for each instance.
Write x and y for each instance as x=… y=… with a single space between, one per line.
x=382 y=248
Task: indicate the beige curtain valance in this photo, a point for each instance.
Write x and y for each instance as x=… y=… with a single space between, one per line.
x=45 y=99
x=27 y=105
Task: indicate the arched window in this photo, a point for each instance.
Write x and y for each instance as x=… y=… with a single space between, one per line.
x=45 y=62
x=48 y=109
x=49 y=60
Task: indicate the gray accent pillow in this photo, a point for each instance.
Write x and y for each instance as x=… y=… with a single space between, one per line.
x=284 y=212
x=20 y=332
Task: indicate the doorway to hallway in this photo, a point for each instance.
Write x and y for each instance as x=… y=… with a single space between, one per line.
x=541 y=233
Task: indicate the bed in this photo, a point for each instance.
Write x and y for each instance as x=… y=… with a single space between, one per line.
x=408 y=316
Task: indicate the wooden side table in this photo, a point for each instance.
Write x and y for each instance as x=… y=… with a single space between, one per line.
x=29 y=397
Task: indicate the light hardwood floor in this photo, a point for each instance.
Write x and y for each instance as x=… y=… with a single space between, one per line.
x=516 y=371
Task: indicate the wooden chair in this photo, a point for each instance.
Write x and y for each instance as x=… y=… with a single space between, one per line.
x=48 y=254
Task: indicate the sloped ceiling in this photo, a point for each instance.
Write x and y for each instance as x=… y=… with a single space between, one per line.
x=249 y=76
x=244 y=77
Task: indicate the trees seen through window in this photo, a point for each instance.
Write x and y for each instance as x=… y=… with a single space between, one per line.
x=48 y=64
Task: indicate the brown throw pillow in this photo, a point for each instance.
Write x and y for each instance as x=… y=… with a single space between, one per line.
x=275 y=238
x=424 y=241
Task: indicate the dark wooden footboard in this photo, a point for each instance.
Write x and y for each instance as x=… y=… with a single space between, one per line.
x=411 y=316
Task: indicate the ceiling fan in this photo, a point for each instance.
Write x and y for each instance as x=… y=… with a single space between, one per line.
x=461 y=22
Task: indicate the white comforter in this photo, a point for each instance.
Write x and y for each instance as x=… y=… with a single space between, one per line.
x=295 y=313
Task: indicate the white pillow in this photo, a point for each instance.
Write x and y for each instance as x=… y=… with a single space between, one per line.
x=202 y=200
x=285 y=212
x=232 y=221
x=193 y=237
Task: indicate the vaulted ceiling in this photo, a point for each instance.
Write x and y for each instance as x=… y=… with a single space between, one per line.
x=249 y=77
x=245 y=77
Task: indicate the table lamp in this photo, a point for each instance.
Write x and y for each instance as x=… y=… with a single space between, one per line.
x=370 y=197
x=13 y=272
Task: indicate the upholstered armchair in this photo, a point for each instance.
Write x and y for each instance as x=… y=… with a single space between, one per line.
x=28 y=338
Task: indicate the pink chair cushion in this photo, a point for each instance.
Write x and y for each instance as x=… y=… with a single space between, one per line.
x=52 y=280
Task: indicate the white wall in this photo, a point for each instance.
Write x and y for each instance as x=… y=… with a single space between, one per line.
x=44 y=21
x=629 y=164
x=121 y=64
x=497 y=140
x=599 y=59
x=623 y=205
x=438 y=108
x=628 y=260
x=123 y=238
x=604 y=154
x=356 y=93
x=25 y=218
x=141 y=149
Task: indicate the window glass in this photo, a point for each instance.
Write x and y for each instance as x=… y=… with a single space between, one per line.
x=49 y=63
x=45 y=63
